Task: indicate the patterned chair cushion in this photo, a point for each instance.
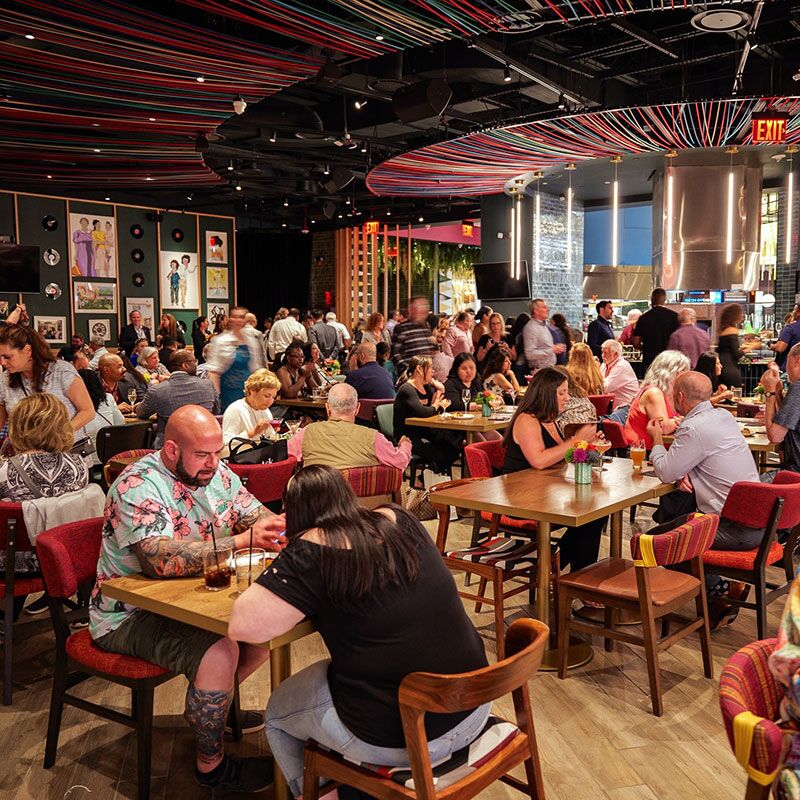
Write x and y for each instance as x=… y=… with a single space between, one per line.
x=741 y=559
x=501 y=552
x=527 y=525
x=371 y=481
x=686 y=541
x=82 y=649
x=23 y=586
x=496 y=735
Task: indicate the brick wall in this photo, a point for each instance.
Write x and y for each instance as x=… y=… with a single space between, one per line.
x=786 y=284
x=322 y=268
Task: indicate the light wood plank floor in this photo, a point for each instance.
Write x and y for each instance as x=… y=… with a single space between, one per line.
x=596 y=734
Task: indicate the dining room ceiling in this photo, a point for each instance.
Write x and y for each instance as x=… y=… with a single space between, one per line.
x=135 y=101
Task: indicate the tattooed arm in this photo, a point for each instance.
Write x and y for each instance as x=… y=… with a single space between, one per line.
x=164 y=557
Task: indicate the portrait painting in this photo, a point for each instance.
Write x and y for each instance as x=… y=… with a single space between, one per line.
x=216 y=247
x=93 y=246
x=179 y=280
x=217 y=282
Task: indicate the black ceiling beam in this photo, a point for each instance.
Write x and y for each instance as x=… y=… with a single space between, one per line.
x=646 y=38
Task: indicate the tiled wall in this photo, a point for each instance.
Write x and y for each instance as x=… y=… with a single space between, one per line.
x=786 y=285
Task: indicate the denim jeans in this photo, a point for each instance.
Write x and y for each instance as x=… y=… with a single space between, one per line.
x=301 y=708
x=619 y=415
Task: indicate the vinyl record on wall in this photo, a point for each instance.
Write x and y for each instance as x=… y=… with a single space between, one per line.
x=137 y=256
x=177 y=235
x=51 y=257
x=52 y=291
x=137 y=231
x=137 y=279
x=49 y=222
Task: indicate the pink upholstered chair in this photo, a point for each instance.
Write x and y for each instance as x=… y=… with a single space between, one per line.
x=266 y=482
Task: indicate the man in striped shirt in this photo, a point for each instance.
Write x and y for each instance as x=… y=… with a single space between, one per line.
x=413 y=337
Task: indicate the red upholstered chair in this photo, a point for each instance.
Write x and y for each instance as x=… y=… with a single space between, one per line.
x=375 y=485
x=603 y=403
x=645 y=587
x=13 y=540
x=111 y=472
x=498 y=748
x=68 y=558
x=750 y=695
x=615 y=433
x=769 y=506
x=366 y=410
x=485 y=460
x=266 y=482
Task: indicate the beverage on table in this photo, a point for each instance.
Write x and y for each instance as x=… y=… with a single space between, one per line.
x=132 y=397
x=217 y=567
x=638 y=452
x=249 y=565
x=276 y=424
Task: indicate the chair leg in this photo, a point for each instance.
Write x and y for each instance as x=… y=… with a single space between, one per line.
x=60 y=673
x=310 y=776
x=633 y=515
x=564 y=601
x=608 y=621
x=143 y=705
x=481 y=593
x=533 y=769
x=705 y=635
x=8 y=648
x=761 y=607
x=665 y=626
x=499 y=615
x=755 y=791
x=651 y=652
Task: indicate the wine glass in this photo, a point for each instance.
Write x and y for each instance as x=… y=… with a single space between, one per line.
x=602 y=445
x=466 y=397
x=444 y=404
x=132 y=397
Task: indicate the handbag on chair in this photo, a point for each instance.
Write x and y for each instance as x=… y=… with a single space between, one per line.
x=264 y=451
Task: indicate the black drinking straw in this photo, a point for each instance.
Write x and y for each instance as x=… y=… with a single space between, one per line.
x=250 y=563
x=214 y=542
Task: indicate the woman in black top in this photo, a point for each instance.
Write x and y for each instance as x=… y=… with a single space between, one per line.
x=417 y=397
x=463 y=376
x=520 y=363
x=368 y=580
x=199 y=337
x=497 y=337
x=534 y=440
x=728 y=347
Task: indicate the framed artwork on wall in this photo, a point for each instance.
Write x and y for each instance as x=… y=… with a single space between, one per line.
x=217 y=282
x=144 y=305
x=92 y=246
x=100 y=327
x=91 y=296
x=216 y=247
x=216 y=310
x=53 y=329
x=179 y=280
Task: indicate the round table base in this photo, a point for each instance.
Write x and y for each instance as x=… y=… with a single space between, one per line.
x=598 y=615
x=578 y=654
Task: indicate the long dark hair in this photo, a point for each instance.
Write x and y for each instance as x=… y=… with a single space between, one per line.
x=197 y=323
x=364 y=550
x=457 y=362
x=519 y=323
x=18 y=336
x=560 y=321
x=707 y=365
x=540 y=398
x=494 y=361
x=94 y=386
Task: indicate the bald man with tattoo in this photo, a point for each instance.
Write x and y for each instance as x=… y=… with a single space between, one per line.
x=159 y=518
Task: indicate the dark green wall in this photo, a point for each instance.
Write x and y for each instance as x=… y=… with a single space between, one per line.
x=30 y=211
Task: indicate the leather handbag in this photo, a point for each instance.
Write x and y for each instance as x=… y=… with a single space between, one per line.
x=263 y=451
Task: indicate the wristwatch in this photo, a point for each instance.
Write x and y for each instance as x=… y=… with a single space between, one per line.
x=770 y=394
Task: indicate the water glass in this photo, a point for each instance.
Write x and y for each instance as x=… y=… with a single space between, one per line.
x=249 y=565
x=737 y=393
x=217 y=567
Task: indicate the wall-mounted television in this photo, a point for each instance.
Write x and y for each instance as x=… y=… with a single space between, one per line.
x=19 y=269
x=493 y=281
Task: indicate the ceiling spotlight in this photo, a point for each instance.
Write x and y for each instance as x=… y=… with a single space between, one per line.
x=286 y=202
x=230 y=166
x=378 y=37
x=95 y=124
x=506 y=74
x=796 y=76
x=148 y=178
x=347 y=202
x=388 y=212
x=562 y=102
x=283 y=224
x=363 y=147
x=200 y=79
x=152 y=119
x=422 y=219
x=106 y=198
x=274 y=137
x=190 y=197
x=29 y=36
x=96 y=149
x=671 y=153
x=327 y=170
x=570 y=166
x=49 y=177
x=238 y=187
x=239 y=104
x=360 y=103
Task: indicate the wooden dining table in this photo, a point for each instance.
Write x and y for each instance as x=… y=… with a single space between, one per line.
x=187 y=600
x=552 y=498
x=469 y=427
x=302 y=402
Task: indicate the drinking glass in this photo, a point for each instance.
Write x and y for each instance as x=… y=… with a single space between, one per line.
x=132 y=397
x=293 y=425
x=602 y=446
x=638 y=452
x=276 y=424
x=512 y=393
x=444 y=404
x=249 y=565
x=466 y=396
x=217 y=567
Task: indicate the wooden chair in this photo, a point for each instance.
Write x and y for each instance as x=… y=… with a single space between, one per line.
x=375 y=485
x=643 y=586
x=13 y=540
x=68 y=557
x=500 y=747
x=749 y=698
x=367 y=408
x=603 y=403
x=112 y=472
x=494 y=560
x=768 y=506
x=266 y=482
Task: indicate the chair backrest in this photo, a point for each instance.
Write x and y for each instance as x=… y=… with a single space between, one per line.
x=375 y=480
x=751 y=503
x=750 y=695
x=367 y=408
x=114 y=439
x=266 y=482
x=615 y=433
x=483 y=458
x=603 y=403
x=684 y=542
x=385 y=416
x=68 y=555
x=112 y=472
x=11 y=518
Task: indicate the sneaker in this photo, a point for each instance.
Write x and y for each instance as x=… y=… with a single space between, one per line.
x=721 y=613
x=38 y=606
x=235 y=774
x=251 y=722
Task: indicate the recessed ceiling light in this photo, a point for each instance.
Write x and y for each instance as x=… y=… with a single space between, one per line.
x=95 y=124
x=721 y=20
x=96 y=149
x=106 y=198
x=238 y=187
x=29 y=36
x=152 y=119
x=200 y=79
x=49 y=177
x=283 y=224
x=422 y=219
x=148 y=178
x=378 y=37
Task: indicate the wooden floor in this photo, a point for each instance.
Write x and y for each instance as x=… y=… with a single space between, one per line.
x=596 y=734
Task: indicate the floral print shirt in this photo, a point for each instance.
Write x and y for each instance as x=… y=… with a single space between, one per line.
x=147 y=500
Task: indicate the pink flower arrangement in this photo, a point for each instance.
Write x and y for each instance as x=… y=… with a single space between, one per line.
x=583 y=453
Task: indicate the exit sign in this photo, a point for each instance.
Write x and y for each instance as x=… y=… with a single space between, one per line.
x=769 y=127
x=370 y=227
x=467 y=229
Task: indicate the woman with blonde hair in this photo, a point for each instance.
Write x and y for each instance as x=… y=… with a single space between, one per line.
x=250 y=417
x=654 y=400
x=584 y=369
x=579 y=409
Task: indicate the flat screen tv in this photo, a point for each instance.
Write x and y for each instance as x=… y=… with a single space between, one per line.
x=19 y=269
x=493 y=281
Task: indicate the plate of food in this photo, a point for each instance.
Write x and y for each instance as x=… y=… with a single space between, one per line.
x=462 y=415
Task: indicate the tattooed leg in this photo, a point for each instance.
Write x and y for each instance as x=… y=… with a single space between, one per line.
x=206 y=712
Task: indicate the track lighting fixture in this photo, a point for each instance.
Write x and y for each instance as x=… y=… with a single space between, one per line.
x=506 y=74
x=273 y=137
x=360 y=103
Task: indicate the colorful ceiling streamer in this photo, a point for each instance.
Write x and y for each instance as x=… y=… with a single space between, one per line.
x=480 y=163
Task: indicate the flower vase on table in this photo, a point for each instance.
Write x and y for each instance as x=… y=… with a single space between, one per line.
x=487 y=401
x=584 y=456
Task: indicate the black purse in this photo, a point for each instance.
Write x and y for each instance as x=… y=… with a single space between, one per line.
x=264 y=451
